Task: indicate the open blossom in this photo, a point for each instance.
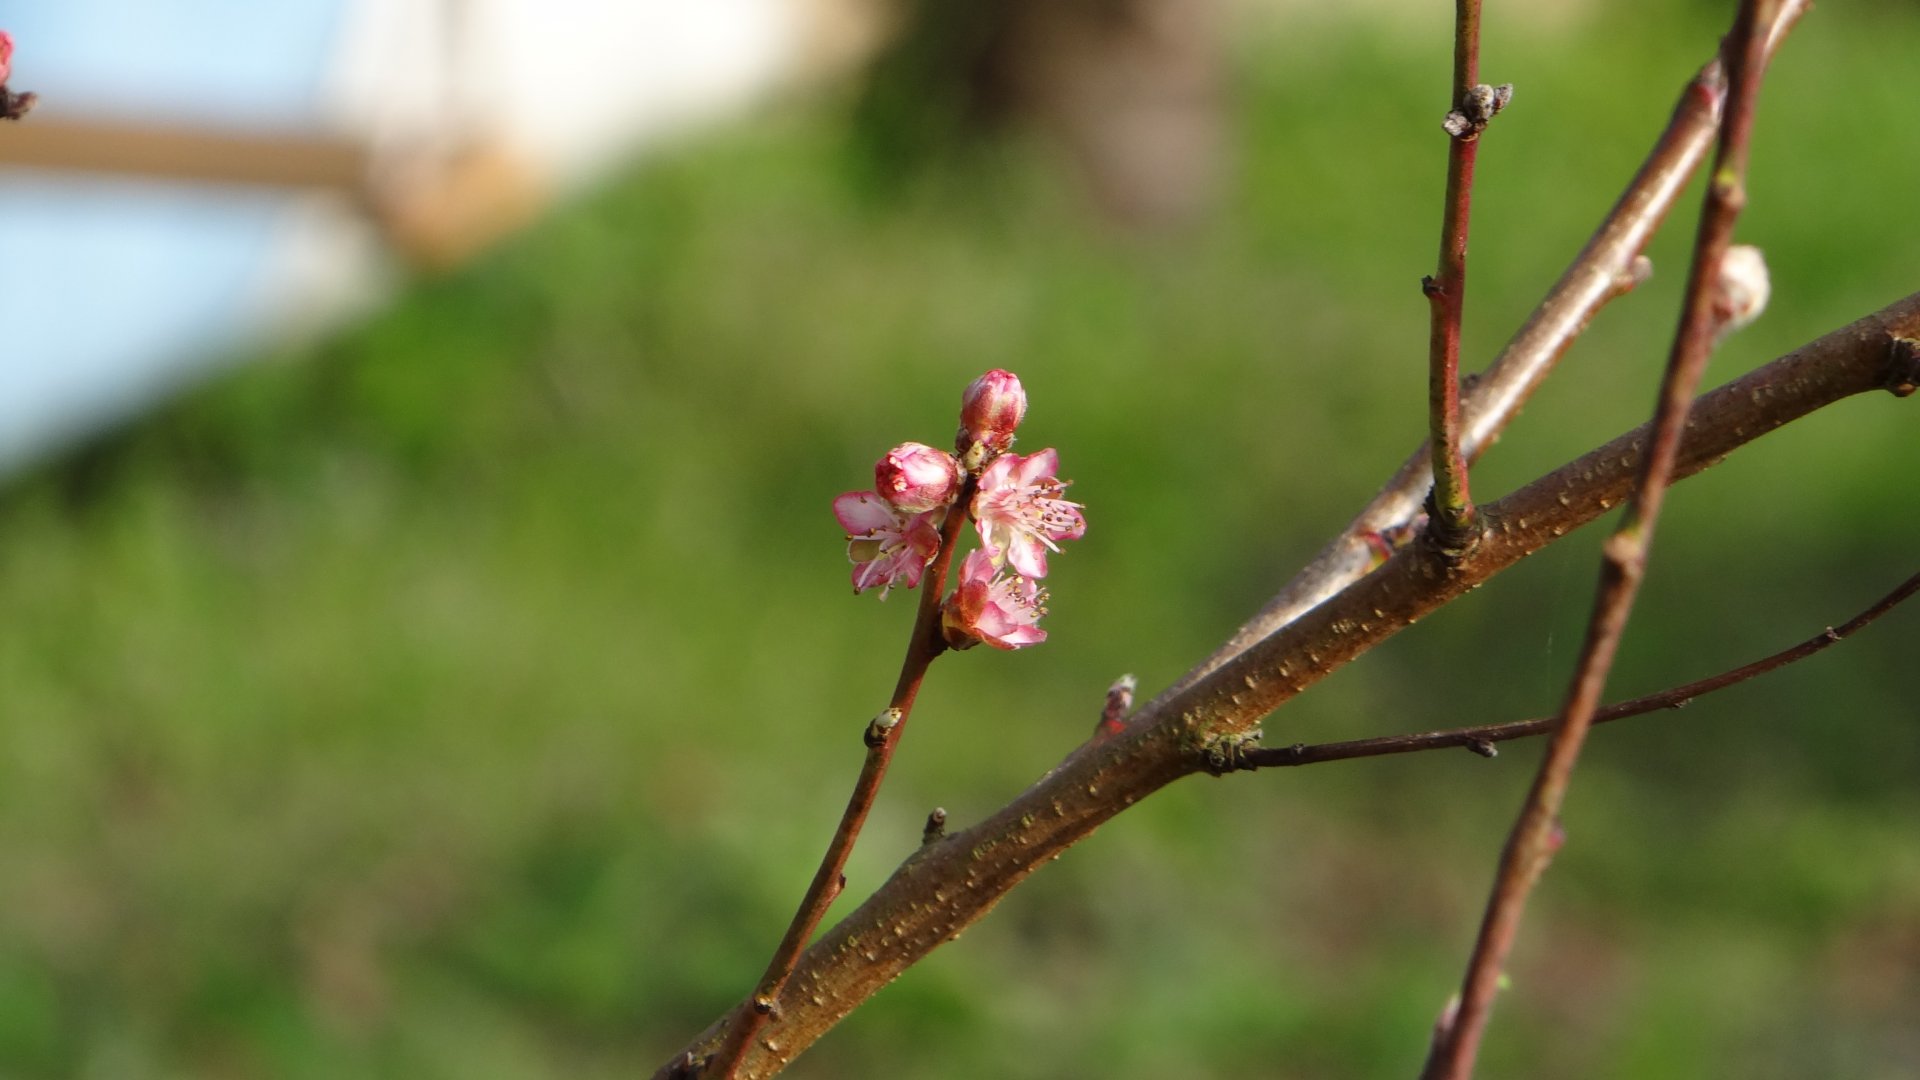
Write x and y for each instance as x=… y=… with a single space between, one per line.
x=888 y=546
x=1020 y=513
x=990 y=408
x=1003 y=611
x=916 y=477
x=6 y=56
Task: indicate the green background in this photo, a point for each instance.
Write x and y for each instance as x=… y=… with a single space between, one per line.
x=471 y=695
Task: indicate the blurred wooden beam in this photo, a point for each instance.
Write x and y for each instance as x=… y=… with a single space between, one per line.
x=274 y=159
x=437 y=208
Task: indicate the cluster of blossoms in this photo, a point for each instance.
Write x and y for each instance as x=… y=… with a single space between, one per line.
x=13 y=106
x=1016 y=502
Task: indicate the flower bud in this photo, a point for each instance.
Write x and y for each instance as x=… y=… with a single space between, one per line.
x=990 y=409
x=6 y=56
x=916 y=477
x=1741 y=293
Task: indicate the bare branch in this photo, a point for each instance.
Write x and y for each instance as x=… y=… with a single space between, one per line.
x=1535 y=836
x=947 y=885
x=1481 y=738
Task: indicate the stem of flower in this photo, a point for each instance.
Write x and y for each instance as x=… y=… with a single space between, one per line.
x=881 y=737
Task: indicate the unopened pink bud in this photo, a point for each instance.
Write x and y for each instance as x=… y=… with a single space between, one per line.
x=916 y=477
x=6 y=56
x=990 y=409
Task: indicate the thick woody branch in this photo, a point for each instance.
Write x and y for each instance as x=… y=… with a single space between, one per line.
x=1610 y=265
x=949 y=884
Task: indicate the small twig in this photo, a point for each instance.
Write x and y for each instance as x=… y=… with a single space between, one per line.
x=882 y=735
x=1481 y=739
x=1624 y=555
x=936 y=826
x=1453 y=523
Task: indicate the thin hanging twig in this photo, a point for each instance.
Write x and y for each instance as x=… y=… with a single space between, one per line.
x=1481 y=738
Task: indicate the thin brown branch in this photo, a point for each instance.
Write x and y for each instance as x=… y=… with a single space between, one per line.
x=1483 y=736
x=1473 y=105
x=1608 y=266
x=1535 y=833
x=947 y=885
x=881 y=737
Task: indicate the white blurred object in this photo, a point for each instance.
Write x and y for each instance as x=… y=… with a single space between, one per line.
x=206 y=175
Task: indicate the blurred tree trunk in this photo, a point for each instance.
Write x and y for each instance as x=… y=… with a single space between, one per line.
x=1131 y=90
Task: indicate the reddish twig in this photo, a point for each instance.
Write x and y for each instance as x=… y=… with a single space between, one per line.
x=1608 y=266
x=1481 y=739
x=881 y=737
x=1453 y=524
x=1533 y=839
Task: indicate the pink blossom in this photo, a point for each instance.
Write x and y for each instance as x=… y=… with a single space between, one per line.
x=1001 y=610
x=6 y=56
x=1020 y=514
x=888 y=546
x=916 y=477
x=990 y=408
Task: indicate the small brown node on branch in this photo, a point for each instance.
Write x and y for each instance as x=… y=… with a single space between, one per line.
x=1482 y=103
x=1222 y=754
x=936 y=826
x=1635 y=275
x=1483 y=747
x=1453 y=540
x=1428 y=286
x=1903 y=376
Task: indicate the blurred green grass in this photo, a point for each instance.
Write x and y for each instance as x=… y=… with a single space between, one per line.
x=470 y=695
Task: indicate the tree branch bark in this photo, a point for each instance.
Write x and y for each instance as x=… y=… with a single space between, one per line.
x=948 y=885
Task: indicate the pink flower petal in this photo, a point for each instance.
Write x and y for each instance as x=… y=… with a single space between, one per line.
x=863 y=512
